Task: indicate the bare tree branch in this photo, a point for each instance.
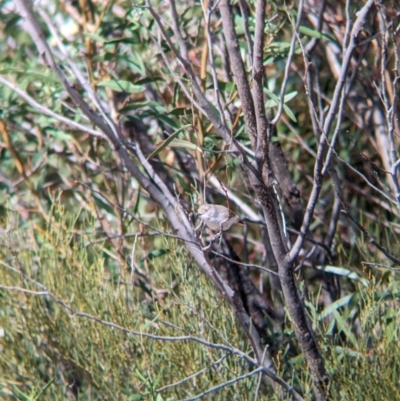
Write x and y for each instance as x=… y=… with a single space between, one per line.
x=239 y=72
x=318 y=177
x=288 y=64
x=48 y=112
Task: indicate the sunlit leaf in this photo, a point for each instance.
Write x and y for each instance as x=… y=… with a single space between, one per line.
x=167 y=142
x=315 y=34
x=120 y=85
x=335 y=306
x=154 y=106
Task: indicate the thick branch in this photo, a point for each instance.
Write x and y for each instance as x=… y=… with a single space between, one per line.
x=295 y=306
x=238 y=70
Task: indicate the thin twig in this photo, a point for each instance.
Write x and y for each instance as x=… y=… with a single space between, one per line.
x=77 y=73
x=288 y=64
x=244 y=10
x=372 y=240
x=318 y=177
x=222 y=385
x=193 y=376
x=245 y=264
x=37 y=106
x=207 y=16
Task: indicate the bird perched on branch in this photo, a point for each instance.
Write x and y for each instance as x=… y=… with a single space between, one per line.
x=217 y=217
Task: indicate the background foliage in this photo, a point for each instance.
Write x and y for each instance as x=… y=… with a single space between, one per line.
x=83 y=247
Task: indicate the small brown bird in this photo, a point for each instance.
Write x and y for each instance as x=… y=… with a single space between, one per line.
x=217 y=217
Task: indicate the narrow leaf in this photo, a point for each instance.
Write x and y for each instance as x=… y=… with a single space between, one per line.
x=315 y=34
x=344 y=327
x=335 y=306
x=181 y=143
x=165 y=143
x=120 y=85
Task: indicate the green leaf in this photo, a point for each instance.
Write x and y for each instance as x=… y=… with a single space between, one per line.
x=289 y=113
x=140 y=376
x=148 y=80
x=278 y=47
x=169 y=121
x=95 y=37
x=335 y=306
x=156 y=254
x=136 y=207
x=154 y=106
x=181 y=143
x=136 y=62
x=343 y=326
x=289 y=96
x=21 y=395
x=61 y=135
x=229 y=87
x=239 y=26
x=46 y=77
x=11 y=23
x=340 y=350
x=341 y=271
x=165 y=143
x=278 y=51
x=121 y=40
x=119 y=85
x=315 y=34
x=41 y=392
x=137 y=397
x=273 y=99
x=274 y=102
x=180 y=111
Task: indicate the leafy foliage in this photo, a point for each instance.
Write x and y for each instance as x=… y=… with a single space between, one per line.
x=84 y=246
